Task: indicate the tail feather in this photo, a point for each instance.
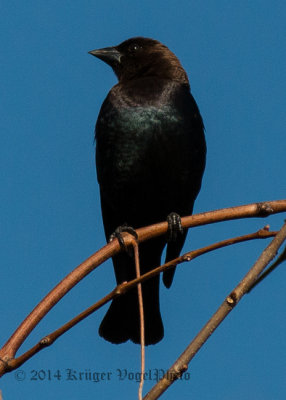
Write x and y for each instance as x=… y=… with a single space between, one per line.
x=122 y=321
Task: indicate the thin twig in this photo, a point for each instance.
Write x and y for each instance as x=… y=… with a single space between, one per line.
x=11 y=364
x=181 y=365
x=141 y=314
x=273 y=266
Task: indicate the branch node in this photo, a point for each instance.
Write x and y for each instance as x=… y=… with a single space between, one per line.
x=231 y=299
x=120 y=288
x=263 y=231
x=46 y=341
x=176 y=372
x=6 y=362
x=184 y=368
x=264 y=209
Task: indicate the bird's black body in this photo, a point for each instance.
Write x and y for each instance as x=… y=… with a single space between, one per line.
x=150 y=158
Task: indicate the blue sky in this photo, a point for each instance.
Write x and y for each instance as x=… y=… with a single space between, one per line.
x=51 y=92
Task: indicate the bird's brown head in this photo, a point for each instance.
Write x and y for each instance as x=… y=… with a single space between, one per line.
x=142 y=57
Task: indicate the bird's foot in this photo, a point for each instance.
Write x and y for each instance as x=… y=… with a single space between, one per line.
x=117 y=234
x=174 y=226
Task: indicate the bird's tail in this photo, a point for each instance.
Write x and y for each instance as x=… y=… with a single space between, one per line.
x=122 y=322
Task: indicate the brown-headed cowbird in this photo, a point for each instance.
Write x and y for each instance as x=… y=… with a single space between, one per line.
x=150 y=158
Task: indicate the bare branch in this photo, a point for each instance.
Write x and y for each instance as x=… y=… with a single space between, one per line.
x=14 y=363
x=181 y=365
x=10 y=348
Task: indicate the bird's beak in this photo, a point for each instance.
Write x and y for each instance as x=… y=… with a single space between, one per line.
x=110 y=55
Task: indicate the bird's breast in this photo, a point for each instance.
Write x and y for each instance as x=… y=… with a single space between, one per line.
x=134 y=137
x=139 y=121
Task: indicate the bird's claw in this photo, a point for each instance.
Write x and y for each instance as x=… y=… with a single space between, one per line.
x=174 y=226
x=117 y=235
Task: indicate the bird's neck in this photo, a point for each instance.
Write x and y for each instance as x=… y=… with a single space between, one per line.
x=147 y=91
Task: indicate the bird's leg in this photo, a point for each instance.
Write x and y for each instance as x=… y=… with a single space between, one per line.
x=117 y=235
x=174 y=227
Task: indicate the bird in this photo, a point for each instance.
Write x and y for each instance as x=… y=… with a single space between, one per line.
x=150 y=160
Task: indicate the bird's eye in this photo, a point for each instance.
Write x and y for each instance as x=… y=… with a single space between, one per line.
x=134 y=47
